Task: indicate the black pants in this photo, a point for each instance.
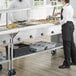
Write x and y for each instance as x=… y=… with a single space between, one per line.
x=69 y=52
x=68 y=43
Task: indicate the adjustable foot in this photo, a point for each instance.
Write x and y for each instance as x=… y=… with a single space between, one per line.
x=1 y=67
x=53 y=52
x=11 y=72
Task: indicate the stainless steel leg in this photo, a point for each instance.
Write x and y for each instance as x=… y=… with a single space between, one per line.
x=1 y=57
x=10 y=56
x=11 y=53
x=9 y=66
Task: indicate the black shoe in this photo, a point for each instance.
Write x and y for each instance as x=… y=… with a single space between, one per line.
x=63 y=66
x=73 y=64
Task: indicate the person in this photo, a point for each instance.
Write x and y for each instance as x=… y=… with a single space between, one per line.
x=67 y=34
x=19 y=15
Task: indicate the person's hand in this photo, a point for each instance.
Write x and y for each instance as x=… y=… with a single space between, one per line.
x=57 y=22
x=14 y=21
x=56 y=14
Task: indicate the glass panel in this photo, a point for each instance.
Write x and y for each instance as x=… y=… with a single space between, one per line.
x=21 y=13
x=3 y=15
x=21 y=17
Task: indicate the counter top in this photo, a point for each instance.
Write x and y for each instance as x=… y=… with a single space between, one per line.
x=15 y=30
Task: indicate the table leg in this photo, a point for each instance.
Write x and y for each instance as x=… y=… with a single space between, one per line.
x=10 y=58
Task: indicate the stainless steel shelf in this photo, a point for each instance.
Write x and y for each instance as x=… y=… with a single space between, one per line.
x=58 y=46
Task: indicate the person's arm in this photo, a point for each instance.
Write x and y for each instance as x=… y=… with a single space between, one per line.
x=56 y=14
x=66 y=16
x=57 y=22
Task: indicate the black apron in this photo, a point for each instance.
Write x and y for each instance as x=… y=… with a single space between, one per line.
x=67 y=31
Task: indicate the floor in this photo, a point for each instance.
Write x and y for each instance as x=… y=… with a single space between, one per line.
x=40 y=65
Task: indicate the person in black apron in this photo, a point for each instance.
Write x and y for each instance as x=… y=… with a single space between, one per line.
x=67 y=35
